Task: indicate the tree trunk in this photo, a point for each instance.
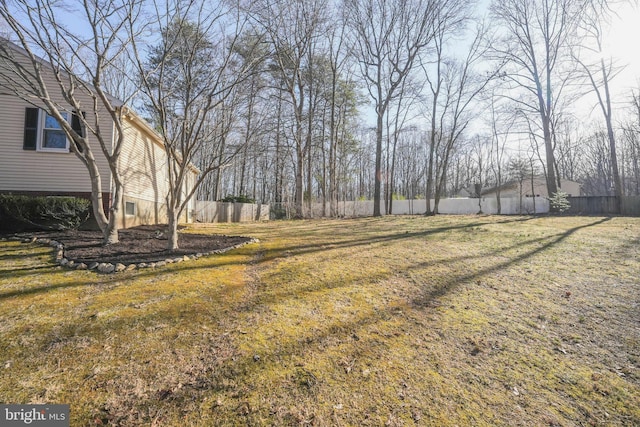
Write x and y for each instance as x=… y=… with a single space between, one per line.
x=172 y=232
x=552 y=187
x=108 y=226
x=617 y=182
x=110 y=233
x=430 y=160
x=378 y=178
x=299 y=200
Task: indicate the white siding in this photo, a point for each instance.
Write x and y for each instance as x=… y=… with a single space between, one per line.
x=143 y=165
x=143 y=170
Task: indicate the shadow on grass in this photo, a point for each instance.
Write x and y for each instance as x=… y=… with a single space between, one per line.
x=275 y=296
x=454 y=282
x=315 y=247
x=23 y=271
x=8 y=254
x=46 y=288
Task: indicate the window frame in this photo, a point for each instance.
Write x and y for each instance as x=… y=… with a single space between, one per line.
x=42 y=120
x=135 y=208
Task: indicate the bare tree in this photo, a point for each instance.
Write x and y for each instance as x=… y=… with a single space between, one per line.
x=292 y=29
x=595 y=165
x=454 y=85
x=189 y=82
x=521 y=168
x=501 y=123
x=537 y=34
x=78 y=64
x=387 y=39
x=631 y=139
x=396 y=124
x=337 y=63
x=599 y=70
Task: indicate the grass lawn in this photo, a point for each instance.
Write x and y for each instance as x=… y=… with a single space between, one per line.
x=397 y=321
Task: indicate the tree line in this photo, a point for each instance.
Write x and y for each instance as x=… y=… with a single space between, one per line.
x=317 y=101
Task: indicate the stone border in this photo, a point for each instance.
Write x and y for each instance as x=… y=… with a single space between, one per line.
x=109 y=268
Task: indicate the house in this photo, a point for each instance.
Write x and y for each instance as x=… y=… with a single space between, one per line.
x=531 y=187
x=36 y=159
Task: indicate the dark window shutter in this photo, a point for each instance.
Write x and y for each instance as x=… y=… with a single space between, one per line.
x=30 y=129
x=77 y=127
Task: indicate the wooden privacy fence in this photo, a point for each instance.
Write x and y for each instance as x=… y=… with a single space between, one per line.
x=230 y=212
x=604 y=205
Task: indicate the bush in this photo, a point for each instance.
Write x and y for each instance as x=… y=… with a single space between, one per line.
x=238 y=199
x=559 y=202
x=20 y=213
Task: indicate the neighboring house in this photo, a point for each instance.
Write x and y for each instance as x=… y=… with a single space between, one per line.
x=35 y=157
x=529 y=188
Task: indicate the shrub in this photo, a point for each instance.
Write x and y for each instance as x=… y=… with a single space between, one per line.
x=18 y=213
x=559 y=202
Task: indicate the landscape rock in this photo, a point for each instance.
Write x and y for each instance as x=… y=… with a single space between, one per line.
x=106 y=268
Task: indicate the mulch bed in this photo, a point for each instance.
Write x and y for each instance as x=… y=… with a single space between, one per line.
x=142 y=244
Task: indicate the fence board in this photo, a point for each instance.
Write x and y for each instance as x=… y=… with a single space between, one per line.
x=230 y=212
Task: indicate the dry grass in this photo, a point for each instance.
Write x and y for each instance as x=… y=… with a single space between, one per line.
x=389 y=321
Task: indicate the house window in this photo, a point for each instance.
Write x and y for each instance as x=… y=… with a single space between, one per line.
x=42 y=132
x=129 y=208
x=53 y=137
